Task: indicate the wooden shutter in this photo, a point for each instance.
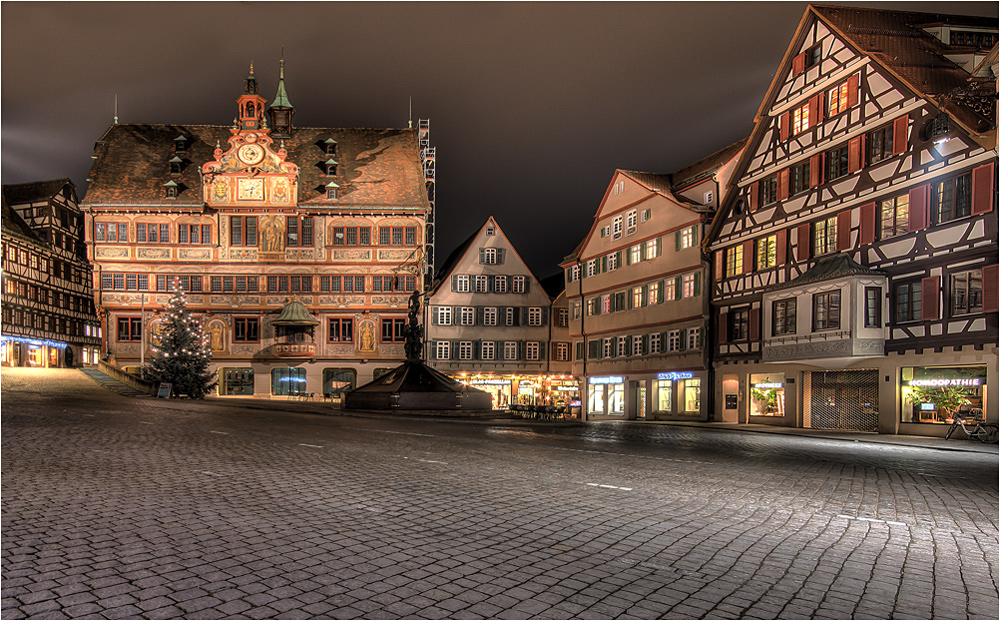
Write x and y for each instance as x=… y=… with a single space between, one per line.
x=697 y=284
x=900 y=127
x=852 y=90
x=930 y=298
x=781 y=246
x=919 y=204
x=869 y=223
x=816 y=109
x=748 y=257
x=802 y=248
x=799 y=64
x=754 y=324
x=753 y=196
x=720 y=264
x=784 y=123
x=990 y=302
x=982 y=188
x=843 y=230
x=723 y=327
x=816 y=170
x=855 y=151
x=783 y=184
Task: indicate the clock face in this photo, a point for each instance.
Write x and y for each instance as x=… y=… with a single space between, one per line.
x=251 y=154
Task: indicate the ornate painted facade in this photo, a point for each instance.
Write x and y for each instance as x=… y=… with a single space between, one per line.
x=251 y=217
x=855 y=262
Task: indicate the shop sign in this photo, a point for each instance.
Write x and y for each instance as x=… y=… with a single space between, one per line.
x=613 y=379
x=975 y=381
x=768 y=385
x=490 y=382
x=675 y=375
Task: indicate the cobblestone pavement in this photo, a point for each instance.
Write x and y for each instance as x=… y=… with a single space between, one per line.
x=118 y=507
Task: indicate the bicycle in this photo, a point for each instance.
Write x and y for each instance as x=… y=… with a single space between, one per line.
x=984 y=432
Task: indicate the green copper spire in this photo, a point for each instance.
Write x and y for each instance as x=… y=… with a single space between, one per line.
x=281 y=97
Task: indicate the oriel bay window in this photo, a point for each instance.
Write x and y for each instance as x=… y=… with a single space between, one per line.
x=340 y=330
x=826 y=311
x=783 y=317
x=246 y=329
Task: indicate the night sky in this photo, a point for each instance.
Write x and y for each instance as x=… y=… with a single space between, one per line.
x=532 y=106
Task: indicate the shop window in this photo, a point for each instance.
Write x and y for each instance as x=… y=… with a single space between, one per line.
x=938 y=394
x=967 y=292
x=288 y=381
x=664 y=396
x=826 y=311
x=236 y=381
x=691 y=396
x=338 y=381
x=767 y=394
x=895 y=216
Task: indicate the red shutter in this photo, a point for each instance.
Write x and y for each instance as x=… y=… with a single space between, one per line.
x=754 y=324
x=930 y=298
x=918 y=207
x=900 y=127
x=869 y=222
x=802 y=247
x=723 y=327
x=852 y=90
x=799 y=64
x=720 y=264
x=816 y=109
x=990 y=302
x=781 y=246
x=843 y=230
x=783 y=184
x=748 y=257
x=754 y=195
x=982 y=188
x=855 y=146
x=784 y=121
x=816 y=170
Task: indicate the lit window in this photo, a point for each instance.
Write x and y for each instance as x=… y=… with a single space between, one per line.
x=688 y=285
x=652 y=249
x=734 y=260
x=638 y=300
x=800 y=119
x=895 y=216
x=783 y=317
x=825 y=236
x=767 y=252
x=836 y=99
x=654 y=293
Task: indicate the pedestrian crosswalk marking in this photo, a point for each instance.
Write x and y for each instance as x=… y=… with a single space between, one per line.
x=624 y=489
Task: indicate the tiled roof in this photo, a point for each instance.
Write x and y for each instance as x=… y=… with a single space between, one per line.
x=827 y=268
x=377 y=167
x=707 y=166
x=14 y=225
x=655 y=182
x=896 y=40
x=21 y=193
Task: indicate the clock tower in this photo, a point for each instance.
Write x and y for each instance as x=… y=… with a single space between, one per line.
x=251 y=105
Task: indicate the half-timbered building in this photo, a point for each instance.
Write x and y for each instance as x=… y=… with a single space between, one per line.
x=855 y=261
x=635 y=292
x=298 y=246
x=49 y=318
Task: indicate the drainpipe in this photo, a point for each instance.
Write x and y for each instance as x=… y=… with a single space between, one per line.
x=584 y=397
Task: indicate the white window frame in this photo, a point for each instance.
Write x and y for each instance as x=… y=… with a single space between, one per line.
x=510 y=350
x=631 y=221
x=607 y=347
x=482 y=283
x=519 y=284
x=509 y=316
x=490 y=256
x=621 y=349
x=499 y=284
x=465 y=350
x=687 y=285
x=616 y=227
x=534 y=316
x=532 y=350
x=490 y=315
x=562 y=352
x=442 y=350
x=654 y=342
x=468 y=317
x=591 y=268
x=674 y=340
x=652 y=248
x=574 y=273
x=687 y=238
x=694 y=338
x=462 y=283
x=613 y=261
x=636 y=345
x=444 y=315
x=487 y=350
x=636 y=253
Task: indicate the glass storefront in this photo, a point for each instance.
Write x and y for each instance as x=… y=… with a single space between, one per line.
x=767 y=394
x=677 y=392
x=338 y=381
x=606 y=396
x=288 y=381
x=499 y=389
x=938 y=394
x=691 y=397
x=36 y=355
x=236 y=381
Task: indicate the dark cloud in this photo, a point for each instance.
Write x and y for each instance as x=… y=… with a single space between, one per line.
x=532 y=105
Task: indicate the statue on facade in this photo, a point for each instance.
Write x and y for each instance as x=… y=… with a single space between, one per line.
x=412 y=331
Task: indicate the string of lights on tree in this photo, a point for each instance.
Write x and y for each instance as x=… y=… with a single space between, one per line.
x=180 y=351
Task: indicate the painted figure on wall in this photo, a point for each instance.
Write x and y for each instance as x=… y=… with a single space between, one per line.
x=217 y=335
x=366 y=336
x=273 y=236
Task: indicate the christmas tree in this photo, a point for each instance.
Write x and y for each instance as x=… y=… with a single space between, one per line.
x=180 y=351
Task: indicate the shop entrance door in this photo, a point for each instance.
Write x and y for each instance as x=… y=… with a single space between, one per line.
x=641 y=407
x=843 y=400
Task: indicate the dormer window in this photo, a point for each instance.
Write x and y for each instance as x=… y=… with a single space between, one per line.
x=180 y=144
x=331 y=191
x=331 y=167
x=176 y=164
x=171 y=188
x=331 y=146
x=981 y=40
